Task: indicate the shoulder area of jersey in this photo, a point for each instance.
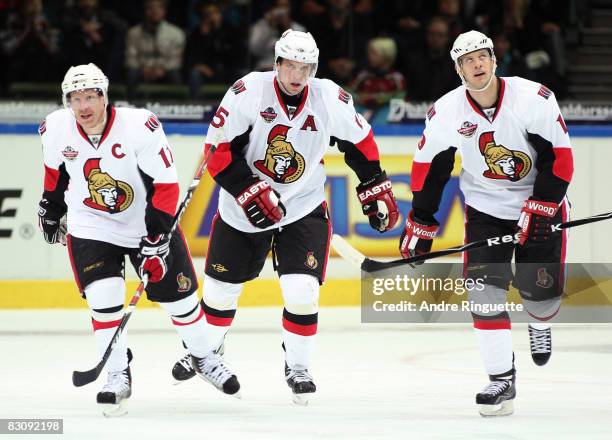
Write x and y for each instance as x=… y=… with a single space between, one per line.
x=527 y=89
x=447 y=104
x=250 y=82
x=60 y=117
x=139 y=117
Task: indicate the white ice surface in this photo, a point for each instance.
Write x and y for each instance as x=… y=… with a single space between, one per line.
x=374 y=381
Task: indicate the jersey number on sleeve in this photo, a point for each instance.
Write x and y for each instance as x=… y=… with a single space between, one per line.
x=220 y=115
x=166 y=156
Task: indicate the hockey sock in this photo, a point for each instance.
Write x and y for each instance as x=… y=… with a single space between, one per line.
x=219 y=303
x=105 y=299
x=187 y=317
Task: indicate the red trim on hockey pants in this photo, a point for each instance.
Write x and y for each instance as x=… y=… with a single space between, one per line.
x=302 y=330
x=72 y=263
x=182 y=235
x=492 y=324
x=177 y=323
x=101 y=325
x=212 y=230
x=564 y=234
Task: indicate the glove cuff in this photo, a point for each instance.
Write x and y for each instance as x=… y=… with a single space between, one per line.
x=374 y=187
x=539 y=207
x=252 y=190
x=427 y=232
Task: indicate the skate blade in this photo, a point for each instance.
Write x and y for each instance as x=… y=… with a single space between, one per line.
x=301 y=399
x=505 y=408
x=114 y=410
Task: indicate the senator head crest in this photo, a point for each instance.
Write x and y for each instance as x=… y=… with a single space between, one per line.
x=503 y=163
x=282 y=163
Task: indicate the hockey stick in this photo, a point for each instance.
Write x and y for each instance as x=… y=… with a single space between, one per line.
x=366 y=264
x=80 y=378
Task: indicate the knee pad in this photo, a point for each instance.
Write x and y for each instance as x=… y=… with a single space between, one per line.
x=542 y=310
x=105 y=293
x=489 y=295
x=221 y=295
x=300 y=293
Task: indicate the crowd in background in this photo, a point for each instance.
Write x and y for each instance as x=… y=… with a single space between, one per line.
x=379 y=49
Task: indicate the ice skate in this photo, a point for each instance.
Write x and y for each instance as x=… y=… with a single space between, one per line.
x=183 y=370
x=301 y=384
x=497 y=398
x=214 y=370
x=540 y=342
x=115 y=393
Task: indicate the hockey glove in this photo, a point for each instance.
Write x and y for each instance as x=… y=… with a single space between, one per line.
x=261 y=204
x=535 y=222
x=417 y=237
x=378 y=203
x=154 y=257
x=51 y=222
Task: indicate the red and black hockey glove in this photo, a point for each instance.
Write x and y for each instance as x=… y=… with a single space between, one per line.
x=378 y=203
x=417 y=237
x=51 y=222
x=261 y=204
x=154 y=257
x=535 y=222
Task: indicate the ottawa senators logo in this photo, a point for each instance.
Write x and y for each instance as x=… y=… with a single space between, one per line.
x=183 y=282
x=503 y=163
x=106 y=194
x=311 y=261
x=545 y=280
x=282 y=162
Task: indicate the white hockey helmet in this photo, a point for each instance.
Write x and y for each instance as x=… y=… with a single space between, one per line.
x=469 y=42
x=297 y=46
x=84 y=76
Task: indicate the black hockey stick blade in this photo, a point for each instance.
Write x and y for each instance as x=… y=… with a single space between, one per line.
x=369 y=265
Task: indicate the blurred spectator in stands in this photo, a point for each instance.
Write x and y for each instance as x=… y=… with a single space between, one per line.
x=94 y=35
x=450 y=12
x=310 y=10
x=379 y=82
x=429 y=73
x=29 y=44
x=342 y=35
x=267 y=30
x=212 y=50
x=154 y=49
x=509 y=61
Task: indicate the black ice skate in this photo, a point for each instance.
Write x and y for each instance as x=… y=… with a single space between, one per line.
x=497 y=398
x=183 y=370
x=114 y=394
x=214 y=370
x=116 y=391
x=540 y=342
x=301 y=384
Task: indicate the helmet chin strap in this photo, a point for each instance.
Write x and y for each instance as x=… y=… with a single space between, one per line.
x=472 y=89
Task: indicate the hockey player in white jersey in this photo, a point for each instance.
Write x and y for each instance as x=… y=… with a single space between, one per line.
x=516 y=167
x=110 y=172
x=277 y=127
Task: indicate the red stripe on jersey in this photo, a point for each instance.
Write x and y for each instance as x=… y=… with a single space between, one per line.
x=177 y=323
x=298 y=329
x=102 y=325
x=218 y=321
x=492 y=324
x=563 y=166
x=419 y=173
x=51 y=178
x=368 y=147
x=165 y=197
x=220 y=160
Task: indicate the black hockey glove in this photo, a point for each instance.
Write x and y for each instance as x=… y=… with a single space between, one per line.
x=51 y=222
x=154 y=257
x=378 y=203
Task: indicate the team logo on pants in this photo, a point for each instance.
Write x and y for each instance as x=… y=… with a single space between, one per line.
x=311 y=262
x=106 y=193
x=282 y=162
x=545 y=280
x=184 y=283
x=503 y=163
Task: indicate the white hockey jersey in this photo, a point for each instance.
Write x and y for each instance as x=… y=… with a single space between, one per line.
x=285 y=151
x=117 y=187
x=521 y=150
